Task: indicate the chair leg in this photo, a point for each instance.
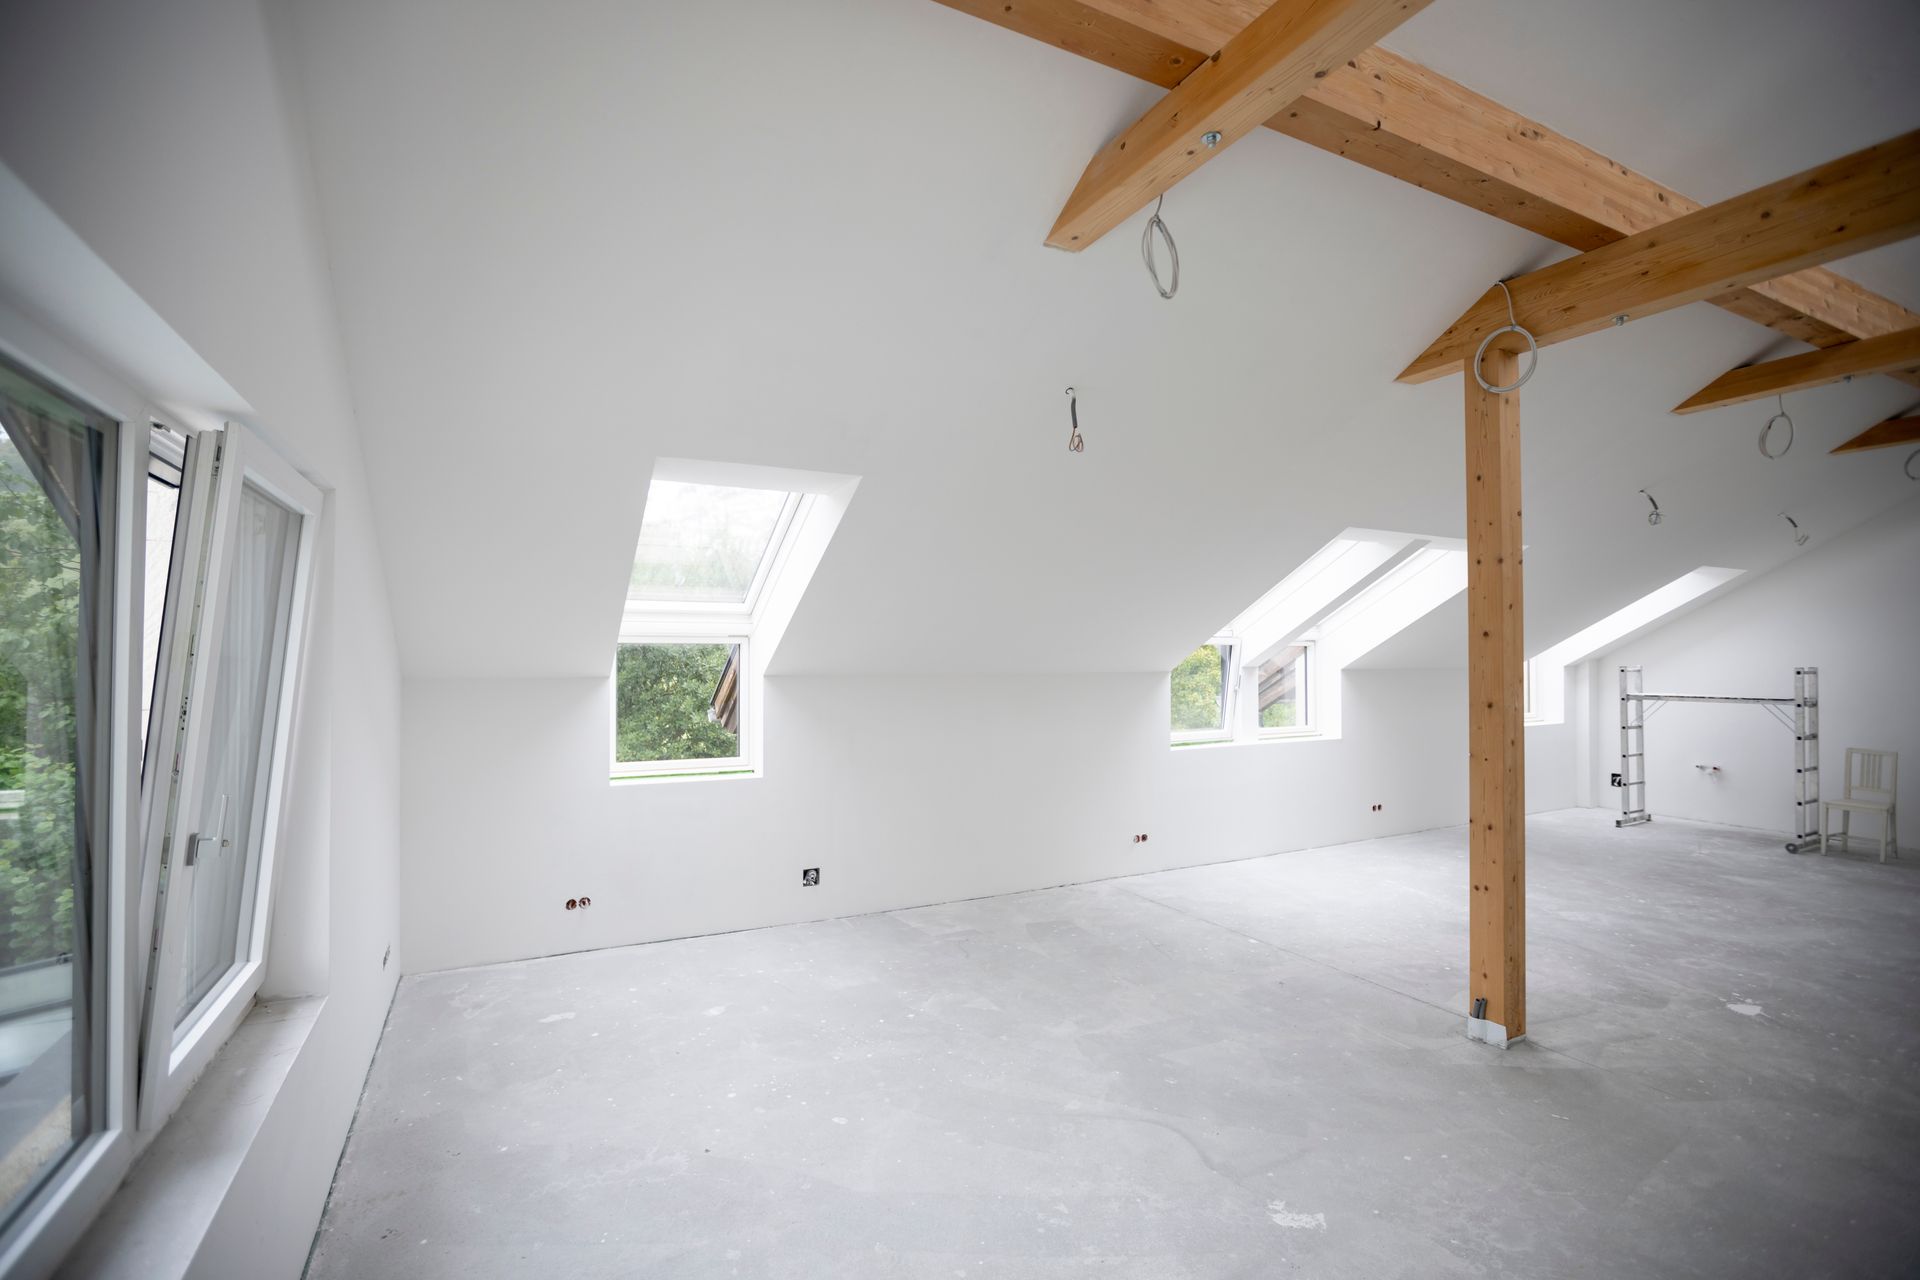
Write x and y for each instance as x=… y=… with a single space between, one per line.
x=1886 y=823
x=1846 y=831
x=1826 y=816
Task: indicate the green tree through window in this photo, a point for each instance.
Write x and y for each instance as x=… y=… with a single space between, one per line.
x=40 y=585
x=663 y=696
x=1196 y=690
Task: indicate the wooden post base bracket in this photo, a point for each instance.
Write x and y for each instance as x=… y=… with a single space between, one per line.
x=1485 y=1032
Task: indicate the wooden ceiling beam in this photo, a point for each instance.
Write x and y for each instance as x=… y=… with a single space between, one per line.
x=1857 y=202
x=1403 y=120
x=1883 y=435
x=1492 y=158
x=1087 y=32
x=1267 y=65
x=1810 y=369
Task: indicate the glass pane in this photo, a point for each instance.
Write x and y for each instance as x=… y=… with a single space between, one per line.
x=1197 y=684
x=163 y=512
x=1283 y=689
x=243 y=705
x=703 y=542
x=51 y=473
x=676 y=702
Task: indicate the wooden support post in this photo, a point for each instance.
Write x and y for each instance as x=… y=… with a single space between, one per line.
x=1497 y=912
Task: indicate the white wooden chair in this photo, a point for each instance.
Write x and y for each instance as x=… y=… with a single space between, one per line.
x=1871 y=780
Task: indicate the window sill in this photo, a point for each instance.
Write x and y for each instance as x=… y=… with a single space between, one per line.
x=156 y=1222
x=1220 y=740
x=1264 y=740
x=689 y=775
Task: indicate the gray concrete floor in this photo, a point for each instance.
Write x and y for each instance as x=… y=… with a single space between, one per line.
x=1255 y=1069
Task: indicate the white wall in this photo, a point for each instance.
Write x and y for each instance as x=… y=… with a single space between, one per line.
x=1850 y=607
x=168 y=138
x=902 y=790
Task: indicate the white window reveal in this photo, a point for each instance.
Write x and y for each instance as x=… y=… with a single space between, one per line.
x=723 y=555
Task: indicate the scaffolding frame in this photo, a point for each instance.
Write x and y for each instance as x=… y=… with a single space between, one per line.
x=1800 y=714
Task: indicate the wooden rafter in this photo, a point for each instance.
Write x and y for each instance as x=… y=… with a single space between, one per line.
x=1264 y=67
x=1408 y=122
x=1883 y=435
x=1810 y=369
x=1857 y=202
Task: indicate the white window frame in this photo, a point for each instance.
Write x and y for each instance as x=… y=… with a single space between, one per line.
x=1230 y=683
x=170 y=1062
x=741 y=762
x=44 y=1226
x=1309 y=695
x=1241 y=698
x=659 y=622
x=762 y=573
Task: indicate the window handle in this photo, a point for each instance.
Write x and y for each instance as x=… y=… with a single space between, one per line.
x=205 y=841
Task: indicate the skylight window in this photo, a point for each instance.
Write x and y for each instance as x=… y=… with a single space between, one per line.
x=707 y=544
x=1275 y=670
x=1546 y=673
x=725 y=552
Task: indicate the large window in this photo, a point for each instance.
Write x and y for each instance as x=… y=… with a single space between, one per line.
x=153 y=598
x=56 y=573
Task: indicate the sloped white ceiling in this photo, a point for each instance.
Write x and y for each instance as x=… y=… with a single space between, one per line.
x=569 y=238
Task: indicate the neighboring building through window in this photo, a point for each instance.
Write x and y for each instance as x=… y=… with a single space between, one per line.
x=1283 y=689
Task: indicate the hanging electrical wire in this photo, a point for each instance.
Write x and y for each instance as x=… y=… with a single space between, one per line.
x=1767 y=431
x=1511 y=326
x=1653 y=516
x=1074 y=443
x=1155 y=225
x=1908 y=467
x=1800 y=535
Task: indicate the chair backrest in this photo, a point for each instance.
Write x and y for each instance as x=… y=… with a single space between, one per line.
x=1871 y=774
